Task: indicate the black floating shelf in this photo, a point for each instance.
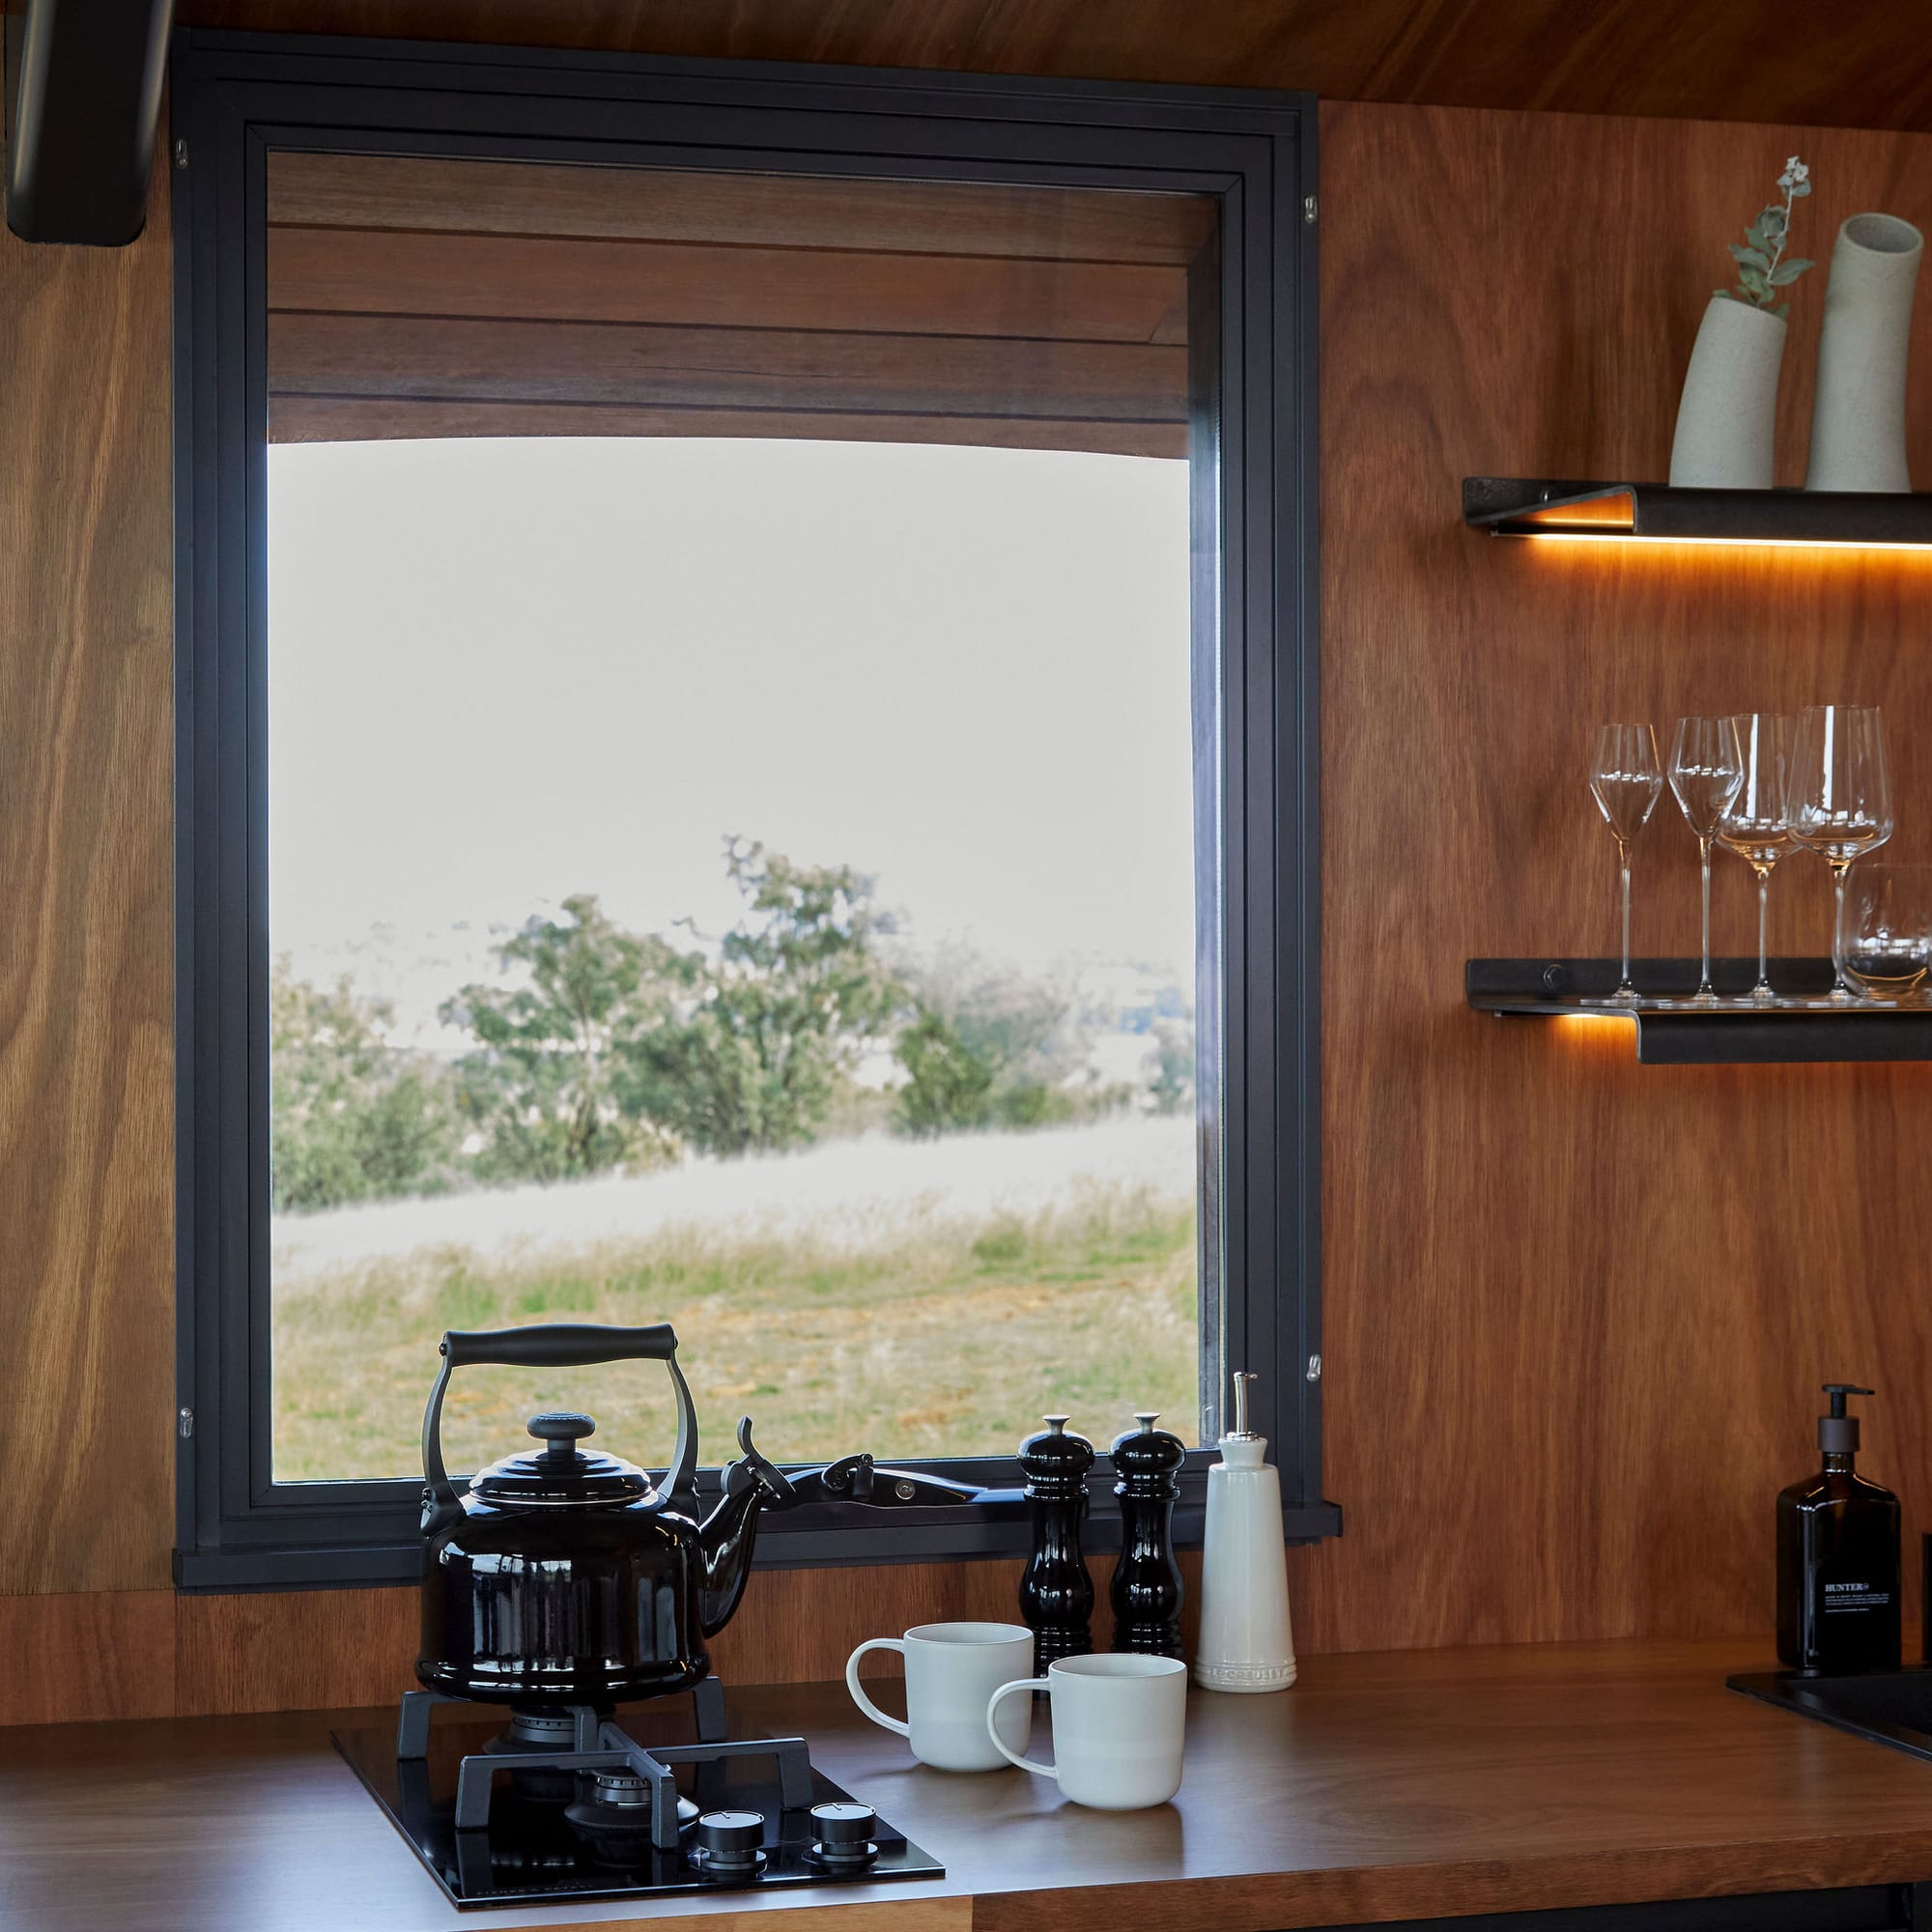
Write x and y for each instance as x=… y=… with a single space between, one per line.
x=1527 y=506
x=1669 y=1034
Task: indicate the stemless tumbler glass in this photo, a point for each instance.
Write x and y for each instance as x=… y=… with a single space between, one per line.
x=1883 y=940
x=1839 y=803
x=1625 y=779
x=1707 y=772
x=1753 y=824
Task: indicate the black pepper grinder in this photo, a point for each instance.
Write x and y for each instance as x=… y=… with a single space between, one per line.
x=1056 y=1592
x=1147 y=1591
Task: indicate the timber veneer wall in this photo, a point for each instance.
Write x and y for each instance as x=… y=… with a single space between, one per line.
x=1572 y=1306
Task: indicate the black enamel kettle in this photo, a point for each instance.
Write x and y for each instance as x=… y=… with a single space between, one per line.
x=571 y=1577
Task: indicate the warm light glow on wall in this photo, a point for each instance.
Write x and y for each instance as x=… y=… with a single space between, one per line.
x=1717 y=543
x=1593 y=1026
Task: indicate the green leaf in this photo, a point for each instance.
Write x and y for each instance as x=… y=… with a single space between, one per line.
x=1756 y=235
x=1753 y=279
x=1756 y=257
x=1788 y=271
x=1783 y=311
x=1801 y=189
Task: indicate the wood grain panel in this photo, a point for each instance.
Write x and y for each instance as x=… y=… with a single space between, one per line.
x=1727 y=59
x=86 y=1078
x=378 y=271
x=1575 y=1309
x=358 y=419
x=603 y=364
x=296 y=1650
x=668 y=205
x=71 y=1659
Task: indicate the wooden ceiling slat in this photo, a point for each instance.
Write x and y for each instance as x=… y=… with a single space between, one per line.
x=455 y=361
x=388 y=271
x=364 y=419
x=1860 y=66
x=773 y=211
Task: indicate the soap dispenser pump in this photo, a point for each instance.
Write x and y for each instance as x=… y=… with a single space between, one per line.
x=1838 y=1558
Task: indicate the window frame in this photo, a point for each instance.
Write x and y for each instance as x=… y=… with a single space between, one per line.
x=234 y=97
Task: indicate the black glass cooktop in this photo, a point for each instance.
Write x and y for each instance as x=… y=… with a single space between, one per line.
x=528 y=1850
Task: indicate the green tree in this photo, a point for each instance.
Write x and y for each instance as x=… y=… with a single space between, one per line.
x=948 y=1086
x=989 y=1048
x=1171 y=1087
x=352 y=1117
x=796 y=992
x=551 y=1083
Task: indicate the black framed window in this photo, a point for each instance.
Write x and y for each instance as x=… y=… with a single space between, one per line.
x=1194 y=346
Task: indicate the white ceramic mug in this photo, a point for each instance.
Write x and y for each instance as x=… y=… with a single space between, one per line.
x=1118 y=1724
x=951 y=1671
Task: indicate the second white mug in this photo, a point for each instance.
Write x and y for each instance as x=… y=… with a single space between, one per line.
x=951 y=1671
x=1118 y=1719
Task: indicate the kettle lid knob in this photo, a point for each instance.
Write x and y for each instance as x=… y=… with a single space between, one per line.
x=561 y=1429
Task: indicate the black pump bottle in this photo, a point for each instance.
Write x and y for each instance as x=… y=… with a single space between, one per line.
x=1837 y=1559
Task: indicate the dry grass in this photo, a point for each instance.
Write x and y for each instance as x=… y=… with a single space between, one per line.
x=948 y=1335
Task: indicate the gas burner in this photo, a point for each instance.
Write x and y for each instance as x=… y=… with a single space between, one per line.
x=586 y=1811
x=538 y=1730
x=615 y=1819
x=534 y=1731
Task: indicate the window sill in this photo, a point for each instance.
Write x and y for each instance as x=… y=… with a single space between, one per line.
x=941 y=1535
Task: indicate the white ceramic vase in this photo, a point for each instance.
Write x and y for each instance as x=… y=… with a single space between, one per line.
x=1857 y=420
x=1729 y=407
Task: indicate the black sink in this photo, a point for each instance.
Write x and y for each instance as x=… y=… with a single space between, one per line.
x=1890 y=1707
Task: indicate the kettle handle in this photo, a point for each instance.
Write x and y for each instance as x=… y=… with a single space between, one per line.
x=555 y=1345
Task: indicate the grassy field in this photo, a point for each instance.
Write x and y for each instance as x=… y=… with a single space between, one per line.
x=948 y=1333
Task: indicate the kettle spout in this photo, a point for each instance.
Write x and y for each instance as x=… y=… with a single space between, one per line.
x=727 y=1536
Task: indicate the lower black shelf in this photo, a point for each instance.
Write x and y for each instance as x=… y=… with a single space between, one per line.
x=1803 y=1026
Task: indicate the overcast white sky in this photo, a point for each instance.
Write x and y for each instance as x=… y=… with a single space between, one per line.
x=505 y=670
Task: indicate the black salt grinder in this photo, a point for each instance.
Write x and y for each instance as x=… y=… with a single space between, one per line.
x=1147 y=1591
x=1056 y=1592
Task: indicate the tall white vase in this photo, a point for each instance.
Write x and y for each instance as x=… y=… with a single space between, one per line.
x=1857 y=421
x=1729 y=407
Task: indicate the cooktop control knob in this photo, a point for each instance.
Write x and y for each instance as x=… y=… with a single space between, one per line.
x=842 y=1834
x=728 y=1843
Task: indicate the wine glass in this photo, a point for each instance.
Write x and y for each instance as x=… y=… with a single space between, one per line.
x=1707 y=772
x=1883 y=944
x=1752 y=825
x=1625 y=779
x=1840 y=802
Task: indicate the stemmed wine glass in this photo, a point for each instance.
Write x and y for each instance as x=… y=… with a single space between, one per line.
x=1707 y=772
x=1753 y=824
x=1839 y=803
x=1625 y=779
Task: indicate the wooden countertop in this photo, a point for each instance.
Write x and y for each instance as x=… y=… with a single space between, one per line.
x=1380 y=1787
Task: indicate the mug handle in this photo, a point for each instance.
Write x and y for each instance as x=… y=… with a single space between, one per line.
x=1000 y=1743
x=859 y=1698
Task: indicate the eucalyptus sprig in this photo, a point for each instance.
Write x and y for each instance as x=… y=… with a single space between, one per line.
x=1762 y=269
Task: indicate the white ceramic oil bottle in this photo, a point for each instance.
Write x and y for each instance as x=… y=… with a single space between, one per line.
x=1245 y=1640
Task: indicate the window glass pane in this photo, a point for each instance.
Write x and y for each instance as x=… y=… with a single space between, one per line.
x=732 y=686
